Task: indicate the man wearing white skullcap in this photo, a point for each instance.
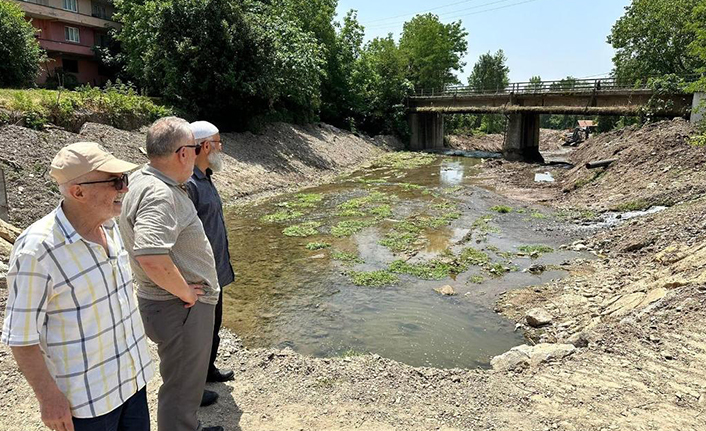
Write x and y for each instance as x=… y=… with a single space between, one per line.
x=210 y=210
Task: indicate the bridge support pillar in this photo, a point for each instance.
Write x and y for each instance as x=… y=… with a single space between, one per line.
x=522 y=139
x=427 y=131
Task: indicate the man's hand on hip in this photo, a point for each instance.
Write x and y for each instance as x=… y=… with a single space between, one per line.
x=191 y=295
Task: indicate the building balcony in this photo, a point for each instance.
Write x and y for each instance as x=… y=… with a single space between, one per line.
x=66 y=47
x=43 y=9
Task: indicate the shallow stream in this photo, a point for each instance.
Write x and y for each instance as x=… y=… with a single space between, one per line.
x=367 y=251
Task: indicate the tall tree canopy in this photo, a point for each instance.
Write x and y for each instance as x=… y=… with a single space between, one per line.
x=221 y=59
x=490 y=72
x=20 y=53
x=433 y=51
x=653 y=39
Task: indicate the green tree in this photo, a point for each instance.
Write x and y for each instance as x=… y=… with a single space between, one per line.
x=535 y=84
x=380 y=78
x=20 y=54
x=223 y=60
x=433 y=51
x=653 y=38
x=490 y=73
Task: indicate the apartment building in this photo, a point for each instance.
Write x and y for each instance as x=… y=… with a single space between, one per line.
x=68 y=31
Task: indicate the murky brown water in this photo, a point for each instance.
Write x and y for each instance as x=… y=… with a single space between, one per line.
x=287 y=295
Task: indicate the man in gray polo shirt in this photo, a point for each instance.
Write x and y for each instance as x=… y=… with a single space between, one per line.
x=174 y=269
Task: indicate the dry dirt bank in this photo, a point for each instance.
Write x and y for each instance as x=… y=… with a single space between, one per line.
x=637 y=314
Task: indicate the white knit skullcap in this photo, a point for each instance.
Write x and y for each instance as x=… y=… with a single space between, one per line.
x=203 y=129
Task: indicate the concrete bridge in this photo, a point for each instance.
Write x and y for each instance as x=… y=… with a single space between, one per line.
x=524 y=102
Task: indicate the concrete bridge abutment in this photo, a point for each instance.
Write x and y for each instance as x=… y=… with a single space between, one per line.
x=522 y=138
x=427 y=131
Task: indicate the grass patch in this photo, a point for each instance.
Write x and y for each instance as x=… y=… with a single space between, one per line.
x=477 y=279
x=498 y=269
x=472 y=256
x=373 y=278
x=281 y=216
x=636 y=205
x=535 y=250
x=358 y=203
x=482 y=224
x=302 y=230
x=317 y=245
x=381 y=211
x=349 y=227
x=502 y=209
x=345 y=257
x=408 y=186
x=435 y=269
x=350 y=213
x=118 y=103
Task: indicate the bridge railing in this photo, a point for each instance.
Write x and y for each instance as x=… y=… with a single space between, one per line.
x=564 y=85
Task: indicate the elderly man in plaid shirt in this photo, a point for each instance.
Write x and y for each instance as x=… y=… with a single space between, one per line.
x=71 y=318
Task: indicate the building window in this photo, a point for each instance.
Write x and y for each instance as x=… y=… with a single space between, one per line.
x=70 y=66
x=100 y=10
x=71 y=34
x=71 y=5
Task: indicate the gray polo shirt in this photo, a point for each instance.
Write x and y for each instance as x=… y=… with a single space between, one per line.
x=159 y=218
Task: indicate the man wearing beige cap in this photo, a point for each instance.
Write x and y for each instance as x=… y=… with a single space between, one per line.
x=71 y=318
x=175 y=273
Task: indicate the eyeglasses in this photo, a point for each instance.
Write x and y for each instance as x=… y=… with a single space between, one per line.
x=118 y=182
x=197 y=148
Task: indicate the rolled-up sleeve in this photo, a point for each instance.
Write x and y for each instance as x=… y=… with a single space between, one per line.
x=29 y=285
x=156 y=228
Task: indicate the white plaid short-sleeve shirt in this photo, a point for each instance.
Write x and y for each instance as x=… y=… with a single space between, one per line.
x=77 y=303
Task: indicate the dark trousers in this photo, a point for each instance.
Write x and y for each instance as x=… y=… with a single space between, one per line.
x=133 y=415
x=218 y=319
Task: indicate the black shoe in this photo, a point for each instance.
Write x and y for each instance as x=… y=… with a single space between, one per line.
x=218 y=428
x=220 y=376
x=208 y=398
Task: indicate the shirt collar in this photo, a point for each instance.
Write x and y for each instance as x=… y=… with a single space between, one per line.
x=151 y=170
x=67 y=229
x=200 y=175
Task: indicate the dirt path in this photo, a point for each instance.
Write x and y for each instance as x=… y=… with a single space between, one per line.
x=638 y=310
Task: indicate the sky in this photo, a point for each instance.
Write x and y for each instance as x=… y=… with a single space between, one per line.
x=549 y=38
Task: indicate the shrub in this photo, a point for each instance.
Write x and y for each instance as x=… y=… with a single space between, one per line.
x=20 y=54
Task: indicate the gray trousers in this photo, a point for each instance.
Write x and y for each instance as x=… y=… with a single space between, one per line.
x=183 y=337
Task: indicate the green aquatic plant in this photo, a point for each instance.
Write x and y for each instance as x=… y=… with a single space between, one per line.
x=317 y=245
x=477 y=279
x=373 y=278
x=482 y=224
x=498 y=269
x=399 y=241
x=349 y=227
x=345 y=257
x=357 y=203
x=405 y=160
x=381 y=211
x=306 y=200
x=502 y=209
x=535 y=250
x=409 y=186
x=281 y=216
x=435 y=269
x=471 y=256
x=349 y=213
x=302 y=230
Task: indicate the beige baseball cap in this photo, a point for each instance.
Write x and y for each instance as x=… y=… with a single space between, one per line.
x=80 y=158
